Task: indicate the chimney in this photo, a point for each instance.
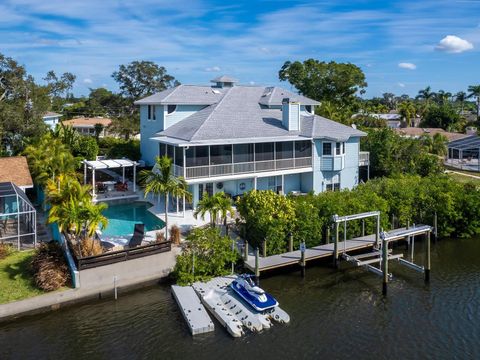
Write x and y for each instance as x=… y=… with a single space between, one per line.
x=291 y=115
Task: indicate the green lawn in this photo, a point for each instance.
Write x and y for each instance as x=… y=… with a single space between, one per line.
x=16 y=281
x=464 y=179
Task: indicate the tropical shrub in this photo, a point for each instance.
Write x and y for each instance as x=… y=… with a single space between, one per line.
x=392 y=154
x=85 y=147
x=268 y=217
x=409 y=199
x=49 y=268
x=206 y=254
x=118 y=148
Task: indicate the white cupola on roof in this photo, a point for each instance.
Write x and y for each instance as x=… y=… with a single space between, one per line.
x=291 y=114
x=224 y=81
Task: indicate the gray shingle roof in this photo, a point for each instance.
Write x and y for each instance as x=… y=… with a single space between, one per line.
x=184 y=94
x=274 y=96
x=238 y=115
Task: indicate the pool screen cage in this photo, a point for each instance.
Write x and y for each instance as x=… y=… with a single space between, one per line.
x=18 y=218
x=464 y=153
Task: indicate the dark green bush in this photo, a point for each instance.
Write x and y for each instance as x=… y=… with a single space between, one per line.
x=408 y=199
x=206 y=254
x=117 y=148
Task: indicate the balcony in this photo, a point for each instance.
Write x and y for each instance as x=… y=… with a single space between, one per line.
x=197 y=172
x=364 y=158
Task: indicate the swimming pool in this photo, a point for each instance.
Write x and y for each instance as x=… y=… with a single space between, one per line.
x=123 y=217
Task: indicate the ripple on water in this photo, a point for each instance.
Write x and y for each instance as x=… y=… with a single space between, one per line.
x=334 y=314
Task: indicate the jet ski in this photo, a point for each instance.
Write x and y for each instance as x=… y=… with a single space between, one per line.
x=252 y=294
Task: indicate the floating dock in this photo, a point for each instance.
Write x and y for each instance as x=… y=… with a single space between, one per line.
x=195 y=315
x=232 y=312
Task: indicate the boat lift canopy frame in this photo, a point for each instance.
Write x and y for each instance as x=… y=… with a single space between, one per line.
x=337 y=220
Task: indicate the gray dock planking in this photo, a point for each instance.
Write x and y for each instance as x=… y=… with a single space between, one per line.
x=316 y=252
x=326 y=250
x=193 y=311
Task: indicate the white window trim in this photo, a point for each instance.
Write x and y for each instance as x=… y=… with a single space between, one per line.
x=154 y=112
x=333 y=145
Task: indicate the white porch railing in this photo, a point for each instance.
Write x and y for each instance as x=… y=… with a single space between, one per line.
x=243 y=168
x=363 y=158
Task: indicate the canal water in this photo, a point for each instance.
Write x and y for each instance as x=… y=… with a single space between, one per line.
x=334 y=315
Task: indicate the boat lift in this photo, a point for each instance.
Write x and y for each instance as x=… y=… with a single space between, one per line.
x=377 y=256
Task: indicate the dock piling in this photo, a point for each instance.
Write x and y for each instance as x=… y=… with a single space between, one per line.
x=335 y=247
x=302 y=258
x=257 y=266
x=435 y=226
x=264 y=246
x=384 y=264
x=290 y=242
x=427 y=263
x=245 y=250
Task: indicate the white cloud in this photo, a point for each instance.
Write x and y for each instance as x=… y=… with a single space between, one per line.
x=213 y=69
x=454 y=44
x=405 y=65
x=402 y=85
x=87 y=81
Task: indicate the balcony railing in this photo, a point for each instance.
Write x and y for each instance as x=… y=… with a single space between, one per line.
x=206 y=171
x=363 y=158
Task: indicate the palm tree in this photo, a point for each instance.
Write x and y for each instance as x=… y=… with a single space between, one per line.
x=475 y=92
x=461 y=96
x=161 y=181
x=48 y=158
x=426 y=95
x=224 y=206
x=64 y=188
x=407 y=110
x=443 y=97
x=207 y=205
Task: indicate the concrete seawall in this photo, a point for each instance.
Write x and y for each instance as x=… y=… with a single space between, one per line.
x=97 y=283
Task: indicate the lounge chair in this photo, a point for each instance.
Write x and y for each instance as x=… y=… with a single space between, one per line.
x=138 y=235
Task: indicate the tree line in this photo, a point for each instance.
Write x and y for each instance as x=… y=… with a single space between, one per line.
x=24 y=100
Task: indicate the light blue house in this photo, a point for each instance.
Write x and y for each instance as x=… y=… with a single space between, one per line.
x=51 y=119
x=233 y=138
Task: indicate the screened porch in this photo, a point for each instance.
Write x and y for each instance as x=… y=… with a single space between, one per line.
x=207 y=161
x=18 y=217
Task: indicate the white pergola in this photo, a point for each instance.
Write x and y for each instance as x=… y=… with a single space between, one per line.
x=109 y=164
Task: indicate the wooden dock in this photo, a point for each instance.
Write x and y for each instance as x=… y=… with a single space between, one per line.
x=316 y=252
x=195 y=315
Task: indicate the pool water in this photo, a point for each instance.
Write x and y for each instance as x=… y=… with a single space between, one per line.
x=123 y=217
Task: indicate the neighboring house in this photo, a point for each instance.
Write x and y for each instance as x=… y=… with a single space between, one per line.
x=15 y=169
x=414 y=132
x=233 y=138
x=51 y=119
x=86 y=126
x=392 y=119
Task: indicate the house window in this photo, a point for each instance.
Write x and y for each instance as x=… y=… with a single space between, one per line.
x=308 y=108
x=338 y=148
x=151 y=112
x=171 y=109
x=333 y=184
x=327 y=148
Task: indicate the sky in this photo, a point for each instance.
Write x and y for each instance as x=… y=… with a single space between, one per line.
x=401 y=46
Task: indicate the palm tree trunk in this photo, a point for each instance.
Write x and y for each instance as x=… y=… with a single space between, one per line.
x=478 y=107
x=166 y=217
